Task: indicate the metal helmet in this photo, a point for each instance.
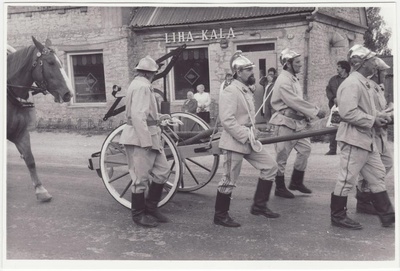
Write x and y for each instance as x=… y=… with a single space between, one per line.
x=286 y=55
x=381 y=65
x=240 y=62
x=147 y=64
x=361 y=52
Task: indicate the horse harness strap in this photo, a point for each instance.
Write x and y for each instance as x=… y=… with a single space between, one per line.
x=17 y=101
x=41 y=86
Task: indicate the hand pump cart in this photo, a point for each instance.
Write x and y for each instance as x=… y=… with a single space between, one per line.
x=191 y=149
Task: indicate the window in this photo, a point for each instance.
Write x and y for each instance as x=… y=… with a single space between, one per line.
x=87 y=75
x=191 y=70
x=256 y=47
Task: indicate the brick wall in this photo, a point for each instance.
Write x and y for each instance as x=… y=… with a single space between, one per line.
x=351 y=14
x=71 y=30
x=323 y=59
x=103 y=28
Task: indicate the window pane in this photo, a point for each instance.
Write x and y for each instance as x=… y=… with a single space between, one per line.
x=89 y=78
x=191 y=70
x=256 y=47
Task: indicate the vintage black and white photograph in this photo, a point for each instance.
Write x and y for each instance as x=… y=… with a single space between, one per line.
x=200 y=135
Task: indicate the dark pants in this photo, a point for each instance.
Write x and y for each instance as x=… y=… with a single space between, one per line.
x=332 y=143
x=205 y=116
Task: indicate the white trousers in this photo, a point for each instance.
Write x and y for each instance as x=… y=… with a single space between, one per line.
x=355 y=161
x=283 y=150
x=145 y=166
x=232 y=165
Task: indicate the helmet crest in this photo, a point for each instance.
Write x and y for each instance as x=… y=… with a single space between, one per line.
x=240 y=62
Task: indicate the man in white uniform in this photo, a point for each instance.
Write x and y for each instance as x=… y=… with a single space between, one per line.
x=291 y=117
x=237 y=114
x=364 y=194
x=141 y=137
x=356 y=141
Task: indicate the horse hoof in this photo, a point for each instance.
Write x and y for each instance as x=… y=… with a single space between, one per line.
x=43 y=197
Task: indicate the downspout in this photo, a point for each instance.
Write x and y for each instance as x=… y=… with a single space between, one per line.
x=310 y=20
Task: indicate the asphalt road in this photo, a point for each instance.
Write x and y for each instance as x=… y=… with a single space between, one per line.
x=83 y=222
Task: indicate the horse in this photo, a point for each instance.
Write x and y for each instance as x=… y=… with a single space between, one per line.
x=37 y=64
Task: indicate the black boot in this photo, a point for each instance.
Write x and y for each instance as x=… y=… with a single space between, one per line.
x=338 y=214
x=364 y=203
x=260 y=200
x=138 y=212
x=221 y=216
x=152 y=200
x=297 y=182
x=384 y=208
x=280 y=189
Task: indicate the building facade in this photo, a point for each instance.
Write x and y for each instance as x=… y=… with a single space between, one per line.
x=100 y=47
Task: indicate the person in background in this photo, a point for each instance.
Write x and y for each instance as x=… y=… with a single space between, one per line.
x=291 y=117
x=227 y=82
x=343 y=69
x=237 y=115
x=203 y=103
x=190 y=104
x=263 y=80
x=267 y=110
x=141 y=137
x=356 y=141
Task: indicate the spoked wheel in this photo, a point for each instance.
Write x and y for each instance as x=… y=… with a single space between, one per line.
x=198 y=169
x=115 y=174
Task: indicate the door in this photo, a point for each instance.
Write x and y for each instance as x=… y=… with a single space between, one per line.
x=264 y=57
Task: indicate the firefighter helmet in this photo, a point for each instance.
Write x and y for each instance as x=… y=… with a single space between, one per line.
x=381 y=65
x=147 y=64
x=286 y=55
x=359 y=51
x=240 y=62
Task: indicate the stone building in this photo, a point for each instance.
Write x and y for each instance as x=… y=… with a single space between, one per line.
x=101 y=45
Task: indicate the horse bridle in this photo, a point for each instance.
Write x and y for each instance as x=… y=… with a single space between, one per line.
x=41 y=85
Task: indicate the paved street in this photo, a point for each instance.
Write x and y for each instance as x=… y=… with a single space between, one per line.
x=83 y=222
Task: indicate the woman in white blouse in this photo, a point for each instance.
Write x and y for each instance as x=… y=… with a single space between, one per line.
x=203 y=103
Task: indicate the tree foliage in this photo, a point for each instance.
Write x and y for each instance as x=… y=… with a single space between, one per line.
x=377 y=36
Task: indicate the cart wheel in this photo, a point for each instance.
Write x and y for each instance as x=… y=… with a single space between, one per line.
x=115 y=174
x=198 y=170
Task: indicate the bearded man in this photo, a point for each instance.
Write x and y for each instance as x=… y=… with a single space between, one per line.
x=237 y=115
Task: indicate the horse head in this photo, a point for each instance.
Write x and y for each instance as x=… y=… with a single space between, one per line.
x=49 y=74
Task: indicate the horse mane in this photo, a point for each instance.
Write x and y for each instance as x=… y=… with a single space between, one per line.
x=20 y=62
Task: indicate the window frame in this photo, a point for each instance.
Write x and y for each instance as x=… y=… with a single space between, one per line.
x=73 y=103
x=171 y=75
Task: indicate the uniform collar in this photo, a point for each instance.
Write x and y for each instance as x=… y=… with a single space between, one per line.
x=364 y=80
x=240 y=85
x=143 y=79
x=291 y=76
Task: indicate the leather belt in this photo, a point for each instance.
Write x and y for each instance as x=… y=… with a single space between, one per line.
x=152 y=122
x=289 y=114
x=148 y=122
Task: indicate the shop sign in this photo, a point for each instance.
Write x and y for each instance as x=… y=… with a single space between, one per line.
x=176 y=37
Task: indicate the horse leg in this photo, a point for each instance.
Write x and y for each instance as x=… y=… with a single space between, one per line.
x=24 y=147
